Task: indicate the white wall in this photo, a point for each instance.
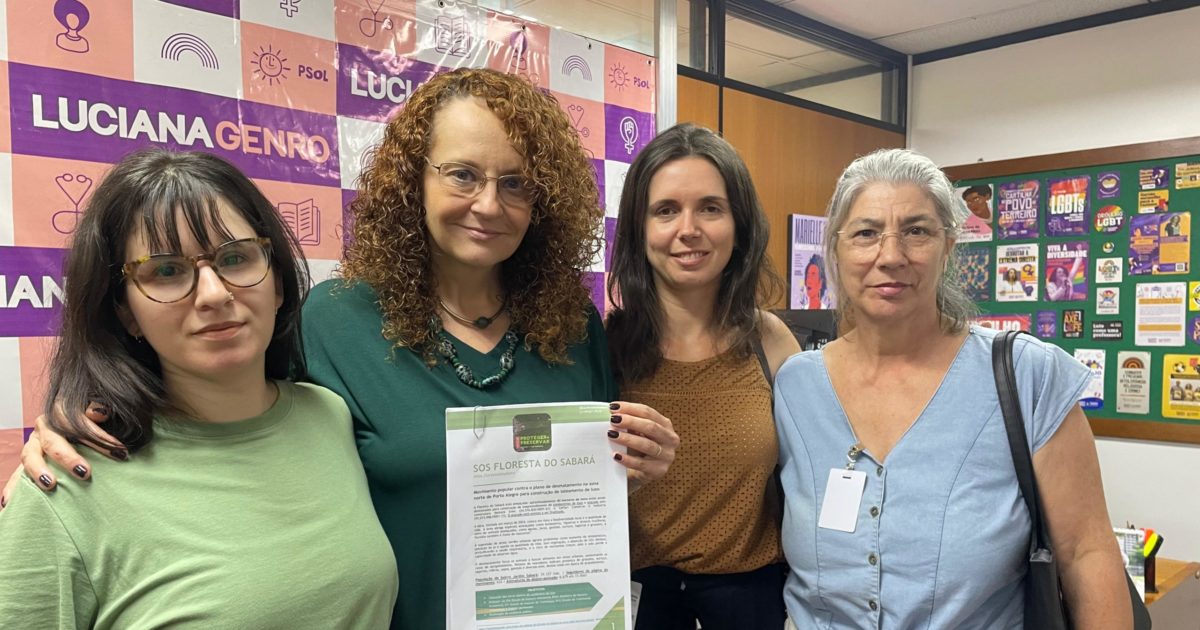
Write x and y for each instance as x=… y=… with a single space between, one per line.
x=859 y=95
x=1154 y=484
x=1124 y=83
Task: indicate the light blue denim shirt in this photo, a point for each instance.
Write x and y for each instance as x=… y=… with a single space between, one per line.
x=942 y=529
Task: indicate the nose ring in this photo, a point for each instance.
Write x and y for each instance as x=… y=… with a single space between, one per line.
x=229 y=296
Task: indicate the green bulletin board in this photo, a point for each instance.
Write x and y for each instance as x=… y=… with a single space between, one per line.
x=1138 y=213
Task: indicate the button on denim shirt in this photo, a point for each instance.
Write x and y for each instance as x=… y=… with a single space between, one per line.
x=942 y=530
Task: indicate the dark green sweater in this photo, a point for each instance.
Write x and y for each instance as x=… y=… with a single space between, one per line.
x=399 y=404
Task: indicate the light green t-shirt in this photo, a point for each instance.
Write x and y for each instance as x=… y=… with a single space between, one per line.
x=261 y=523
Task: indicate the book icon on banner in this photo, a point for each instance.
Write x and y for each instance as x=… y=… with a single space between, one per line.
x=452 y=35
x=304 y=219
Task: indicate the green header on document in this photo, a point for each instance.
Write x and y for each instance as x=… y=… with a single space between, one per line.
x=479 y=418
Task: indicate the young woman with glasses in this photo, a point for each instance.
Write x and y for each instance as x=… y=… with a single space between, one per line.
x=475 y=220
x=181 y=314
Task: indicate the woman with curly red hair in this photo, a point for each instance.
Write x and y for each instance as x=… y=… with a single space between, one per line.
x=475 y=219
x=474 y=222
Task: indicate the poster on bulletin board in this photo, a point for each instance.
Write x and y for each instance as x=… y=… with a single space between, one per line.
x=1098 y=260
x=292 y=92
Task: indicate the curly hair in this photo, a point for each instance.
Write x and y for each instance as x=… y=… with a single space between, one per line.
x=390 y=250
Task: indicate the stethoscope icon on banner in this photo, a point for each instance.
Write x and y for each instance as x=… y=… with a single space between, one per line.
x=372 y=23
x=74 y=187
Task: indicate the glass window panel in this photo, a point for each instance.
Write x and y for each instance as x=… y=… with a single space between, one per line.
x=692 y=33
x=791 y=65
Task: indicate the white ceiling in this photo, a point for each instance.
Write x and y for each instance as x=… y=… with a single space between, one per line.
x=764 y=57
x=916 y=26
x=909 y=26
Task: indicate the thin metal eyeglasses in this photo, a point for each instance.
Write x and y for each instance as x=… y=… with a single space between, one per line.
x=467 y=181
x=912 y=238
x=165 y=278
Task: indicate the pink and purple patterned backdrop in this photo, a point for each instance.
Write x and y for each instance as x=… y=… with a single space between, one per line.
x=292 y=91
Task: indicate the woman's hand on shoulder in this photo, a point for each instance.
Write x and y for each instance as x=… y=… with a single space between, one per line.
x=649 y=439
x=43 y=442
x=778 y=341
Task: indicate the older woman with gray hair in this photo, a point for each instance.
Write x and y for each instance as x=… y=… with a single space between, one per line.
x=928 y=528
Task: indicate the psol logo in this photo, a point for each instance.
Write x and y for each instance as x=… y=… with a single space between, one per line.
x=270 y=65
x=620 y=77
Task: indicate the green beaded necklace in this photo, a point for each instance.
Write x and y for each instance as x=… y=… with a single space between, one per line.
x=450 y=353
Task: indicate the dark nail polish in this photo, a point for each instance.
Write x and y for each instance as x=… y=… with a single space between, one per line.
x=617 y=456
x=613 y=434
x=45 y=480
x=80 y=471
x=614 y=406
x=615 y=419
x=3 y=503
x=120 y=454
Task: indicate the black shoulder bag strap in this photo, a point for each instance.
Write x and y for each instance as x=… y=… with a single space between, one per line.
x=1014 y=425
x=1044 y=607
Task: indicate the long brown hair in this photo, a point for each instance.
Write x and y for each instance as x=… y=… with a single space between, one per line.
x=635 y=329
x=390 y=250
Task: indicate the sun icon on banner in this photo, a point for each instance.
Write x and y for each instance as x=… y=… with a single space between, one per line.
x=618 y=76
x=268 y=64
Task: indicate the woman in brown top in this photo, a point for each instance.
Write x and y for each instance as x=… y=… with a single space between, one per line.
x=691 y=340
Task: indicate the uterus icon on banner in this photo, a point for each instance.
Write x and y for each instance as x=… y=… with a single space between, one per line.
x=370 y=26
x=303 y=219
x=75 y=187
x=73 y=15
x=629 y=133
x=518 y=43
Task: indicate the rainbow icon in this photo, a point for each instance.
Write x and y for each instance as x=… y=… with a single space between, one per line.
x=176 y=45
x=575 y=62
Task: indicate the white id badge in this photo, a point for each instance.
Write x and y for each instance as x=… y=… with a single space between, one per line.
x=843 y=495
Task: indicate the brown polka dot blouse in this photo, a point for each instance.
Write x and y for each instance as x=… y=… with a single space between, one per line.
x=717 y=510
